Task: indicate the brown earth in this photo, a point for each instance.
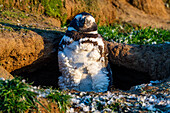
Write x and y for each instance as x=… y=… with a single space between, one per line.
x=142 y=12
x=153 y=59
x=52 y=107
x=103 y=10
x=30 y=49
x=38 y=61
x=153 y=7
x=5 y=74
x=132 y=65
x=30 y=52
x=129 y=13
x=32 y=20
x=19 y=49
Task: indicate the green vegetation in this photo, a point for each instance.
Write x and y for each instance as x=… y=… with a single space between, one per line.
x=52 y=8
x=13 y=14
x=14 y=28
x=62 y=100
x=2 y=29
x=130 y=35
x=113 y=106
x=24 y=5
x=16 y=96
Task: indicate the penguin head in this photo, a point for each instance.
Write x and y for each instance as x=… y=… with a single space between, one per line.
x=83 y=22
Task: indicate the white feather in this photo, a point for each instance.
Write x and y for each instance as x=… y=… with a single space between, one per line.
x=91 y=32
x=67 y=39
x=94 y=55
x=78 y=61
x=98 y=40
x=90 y=18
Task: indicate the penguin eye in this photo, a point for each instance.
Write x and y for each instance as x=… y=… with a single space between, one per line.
x=81 y=22
x=88 y=22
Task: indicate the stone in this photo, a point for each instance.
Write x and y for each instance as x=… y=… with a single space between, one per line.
x=18 y=50
x=5 y=74
x=137 y=64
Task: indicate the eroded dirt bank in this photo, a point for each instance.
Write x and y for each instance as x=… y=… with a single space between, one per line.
x=36 y=59
x=30 y=49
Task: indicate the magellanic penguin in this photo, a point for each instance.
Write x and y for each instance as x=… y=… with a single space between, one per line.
x=82 y=57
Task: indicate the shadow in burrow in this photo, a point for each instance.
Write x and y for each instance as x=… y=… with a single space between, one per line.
x=45 y=72
x=125 y=77
x=137 y=64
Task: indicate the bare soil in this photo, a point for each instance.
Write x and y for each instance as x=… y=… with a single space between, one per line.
x=141 y=12
x=29 y=49
x=154 y=15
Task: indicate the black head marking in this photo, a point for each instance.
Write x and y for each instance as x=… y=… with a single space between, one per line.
x=84 y=22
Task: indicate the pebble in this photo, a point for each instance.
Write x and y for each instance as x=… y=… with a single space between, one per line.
x=86 y=108
x=2 y=78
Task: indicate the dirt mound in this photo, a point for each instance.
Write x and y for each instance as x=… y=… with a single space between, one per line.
x=133 y=65
x=128 y=13
x=153 y=7
x=143 y=12
x=18 y=49
x=21 y=18
x=32 y=50
x=34 y=56
x=152 y=59
x=103 y=10
x=5 y=74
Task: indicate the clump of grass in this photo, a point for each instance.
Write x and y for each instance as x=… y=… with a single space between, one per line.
x=13 y=14
x=130 y=35
x=54 y=8
x=15 y=97
x=6 y=28
x=24 y=5
x=114 y=106
x=61 y=99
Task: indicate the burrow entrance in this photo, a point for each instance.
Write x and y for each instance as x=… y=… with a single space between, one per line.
x=46 y=73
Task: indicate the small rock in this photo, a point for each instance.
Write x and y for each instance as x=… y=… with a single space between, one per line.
x=86 y=108
x=18 y=20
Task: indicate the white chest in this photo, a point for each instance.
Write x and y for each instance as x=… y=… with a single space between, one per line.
x=82 y=67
